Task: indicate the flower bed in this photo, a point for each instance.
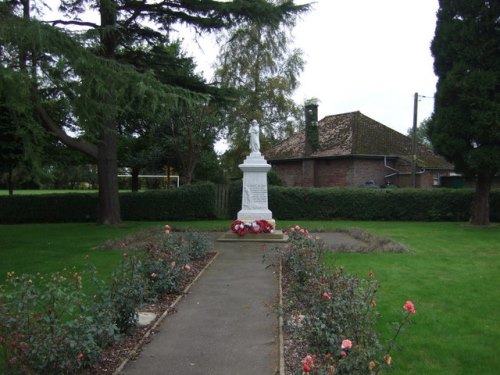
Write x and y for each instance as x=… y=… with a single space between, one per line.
x=50 y=324
x=329 y=315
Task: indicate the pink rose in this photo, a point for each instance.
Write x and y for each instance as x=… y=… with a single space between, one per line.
x=80 y=357
x=410 y=307
x=167 y=227
x=343 y=354
x=167 y=231
x=346 y=344
x=326 y=295
x=388 y=359
x=154 y=275
x=187 y=267
x=172 y=264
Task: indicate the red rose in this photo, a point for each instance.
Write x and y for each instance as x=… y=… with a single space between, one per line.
x=410 y=307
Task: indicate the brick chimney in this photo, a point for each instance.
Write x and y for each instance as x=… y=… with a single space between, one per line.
x=312 y=134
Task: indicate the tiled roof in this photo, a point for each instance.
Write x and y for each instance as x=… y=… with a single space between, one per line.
x=356 y=134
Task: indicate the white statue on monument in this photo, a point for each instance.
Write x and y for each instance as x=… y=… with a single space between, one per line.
x=254 y=201
x=254 y=136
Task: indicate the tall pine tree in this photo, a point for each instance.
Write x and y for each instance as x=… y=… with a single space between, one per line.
x=465 y=126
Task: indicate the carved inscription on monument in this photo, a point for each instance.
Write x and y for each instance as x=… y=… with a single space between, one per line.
x=258 y=195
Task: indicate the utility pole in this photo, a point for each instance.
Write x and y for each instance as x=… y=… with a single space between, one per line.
x=414 y=143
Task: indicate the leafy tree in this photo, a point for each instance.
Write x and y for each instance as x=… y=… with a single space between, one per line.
x=422 y=131
x=84 y=68
x=256 y=59
x=175 y=139
x=191 y=135
x=465 y=126
x=19 y=139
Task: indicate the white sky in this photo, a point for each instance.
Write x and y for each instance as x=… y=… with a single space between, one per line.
x=361 y=55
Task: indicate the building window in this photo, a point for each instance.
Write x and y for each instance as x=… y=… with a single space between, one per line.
x=436 y=179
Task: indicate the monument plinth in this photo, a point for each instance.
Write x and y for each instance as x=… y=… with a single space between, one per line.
x=254 y=202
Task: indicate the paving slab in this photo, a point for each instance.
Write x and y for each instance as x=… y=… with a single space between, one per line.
x=227 y=324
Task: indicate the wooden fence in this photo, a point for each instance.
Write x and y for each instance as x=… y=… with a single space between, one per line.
x=222 y=201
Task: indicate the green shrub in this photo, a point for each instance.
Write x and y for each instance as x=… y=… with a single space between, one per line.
x=330 y=312
x=187 y=202
x=370 y=204
x=49 y=208
x=197 y=245
x=128 y=291
x=235 y=195
x=163 y=265
x=49 y=326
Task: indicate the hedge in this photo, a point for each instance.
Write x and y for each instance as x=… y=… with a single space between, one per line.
x=370 y=204
x=187 y=202
x=198 y=202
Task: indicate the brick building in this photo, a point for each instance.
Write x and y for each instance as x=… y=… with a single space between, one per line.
x=351 y=149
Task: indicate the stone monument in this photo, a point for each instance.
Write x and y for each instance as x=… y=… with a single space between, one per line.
x=254 y=202
x=254 y=194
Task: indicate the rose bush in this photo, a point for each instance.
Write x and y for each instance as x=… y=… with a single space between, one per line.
x=337 y=310
x=50 y=325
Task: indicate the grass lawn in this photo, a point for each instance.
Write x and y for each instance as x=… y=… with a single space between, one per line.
x=452 y=274
x=44 y=248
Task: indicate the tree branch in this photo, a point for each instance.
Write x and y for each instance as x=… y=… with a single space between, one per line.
x=76 y=23
x=76 y=144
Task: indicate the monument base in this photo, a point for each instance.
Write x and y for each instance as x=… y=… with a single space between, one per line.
x=276 y=236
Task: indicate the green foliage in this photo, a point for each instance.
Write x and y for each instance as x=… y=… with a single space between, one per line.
x=422 y=136
x=51 y=208
x=54 y=324
x=256 y=60
x=48 y=325
x=367 y=204
x=127 y=292
x=273 y=178
x=197 y=245
x=465 y=127
x=325 y=307
x=187 y=202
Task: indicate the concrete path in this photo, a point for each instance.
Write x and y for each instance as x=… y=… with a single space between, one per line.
x=227 y=324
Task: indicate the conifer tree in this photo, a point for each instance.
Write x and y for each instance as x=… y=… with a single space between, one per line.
x=465 y=126
x=83 y=69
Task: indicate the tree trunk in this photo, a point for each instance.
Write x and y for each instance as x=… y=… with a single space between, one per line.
x=107 y=175
x=135 y=180
x=480 y=210
x=10 y=183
